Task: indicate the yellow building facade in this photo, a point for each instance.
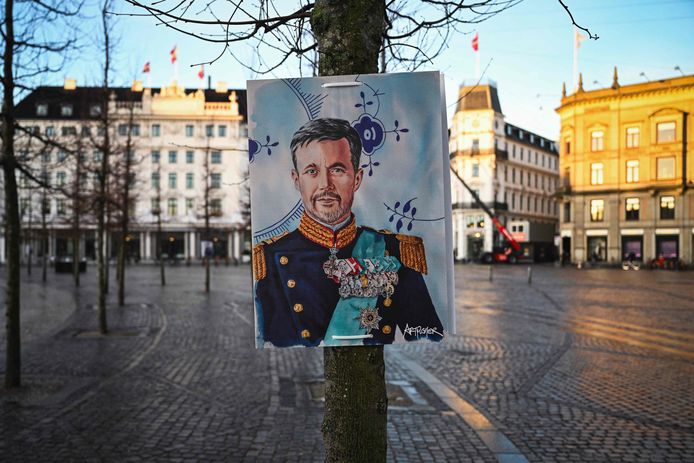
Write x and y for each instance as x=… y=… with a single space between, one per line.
x=627 y=174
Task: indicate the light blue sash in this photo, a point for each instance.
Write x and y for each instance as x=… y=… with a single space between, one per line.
x=345 y=319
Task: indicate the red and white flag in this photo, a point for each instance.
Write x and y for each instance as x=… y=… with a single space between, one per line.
x=146 y=68
x=201 y=72
x=173 y=54
x=476 y=42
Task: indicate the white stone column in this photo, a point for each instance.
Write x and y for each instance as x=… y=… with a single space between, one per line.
x=186 y=245
x=192 y=244
x=148 y=246
x=2 y=249
x=238 y=243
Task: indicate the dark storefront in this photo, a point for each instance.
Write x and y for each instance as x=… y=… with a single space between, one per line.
x=597 y=248
x=632 y=246
x=667 y=246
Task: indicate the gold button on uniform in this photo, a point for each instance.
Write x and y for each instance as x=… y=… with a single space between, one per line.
x=291 y=283
x=298 y=308
x=306 y=334
x=387 y=302
x=284 y=260
x=386 y=329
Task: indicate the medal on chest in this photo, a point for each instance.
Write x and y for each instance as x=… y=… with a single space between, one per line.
x=363 y=277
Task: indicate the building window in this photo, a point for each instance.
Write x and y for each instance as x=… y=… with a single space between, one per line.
x=632 y=171
x=475 y=169
x=50 y=131
x=156 y=130
x=189 y=180
x=122 y=129
x=46 y=157
x=521 y=155
x=513 y=200
x=86 y=131
x=209 y=130
x=190 y=205
x=470 y=221
x=222 y=130
x=217 y=157
x=513 y=175
x=46 y=206
x=172 y=180
x=216 y=181
x=480 y=221
x=633 y=135
x=69 y=130
x=190 y=156
x=597 y=140
x=665 y=168
x=173 y=155
x=597 y=210
x=596 y=173
x=173 y=207
x=665 y=132
x=155 y=179
x=60 y=178
x=62 y=156
x=95 y=110
x=155 y=206
x=632 y=208
x=60 y=206
x=156 y=156
x=667 y=207
x=98 y=156
x=189 y=130
x=475 y=145
x=216 y=206
x=567 y=212
x=42 y=109
x=135 y=130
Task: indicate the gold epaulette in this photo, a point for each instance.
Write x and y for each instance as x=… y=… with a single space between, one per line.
x=258 y=261
x=258 y=257
x=412 y=253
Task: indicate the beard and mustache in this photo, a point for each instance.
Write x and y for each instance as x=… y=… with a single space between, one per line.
x=328 y=216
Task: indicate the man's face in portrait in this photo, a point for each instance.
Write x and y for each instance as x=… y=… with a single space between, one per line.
x=326 y=179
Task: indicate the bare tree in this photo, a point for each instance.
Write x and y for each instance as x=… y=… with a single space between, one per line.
x=124 y=181
x=27 y=55
x=156 y=210
x=103 y=175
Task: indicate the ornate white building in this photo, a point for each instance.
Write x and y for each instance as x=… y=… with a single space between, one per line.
x=513 y=171
x=182 y=139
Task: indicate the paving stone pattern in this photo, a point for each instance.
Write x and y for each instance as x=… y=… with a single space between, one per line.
x=579 y=366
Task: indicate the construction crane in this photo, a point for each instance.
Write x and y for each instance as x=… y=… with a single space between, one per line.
x=512 y=252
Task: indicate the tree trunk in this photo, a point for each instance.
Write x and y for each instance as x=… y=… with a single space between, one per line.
x=76 y=205
x=44 y=236
x=13 y=356
x=356 y=404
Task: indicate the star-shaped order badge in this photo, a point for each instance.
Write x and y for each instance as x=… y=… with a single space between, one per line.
x=369 y=318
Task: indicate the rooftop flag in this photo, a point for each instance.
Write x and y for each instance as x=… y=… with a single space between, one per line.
x=146 y=68
x=173 y=54
x=476 y=42
x=201 y=72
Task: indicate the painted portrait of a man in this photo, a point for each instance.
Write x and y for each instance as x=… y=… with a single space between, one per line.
x=334 y=280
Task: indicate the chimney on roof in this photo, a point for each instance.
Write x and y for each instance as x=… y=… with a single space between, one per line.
x=209 y=82
x=69 y=84
x=137 y=86
x=221 y=87
x=563 y=89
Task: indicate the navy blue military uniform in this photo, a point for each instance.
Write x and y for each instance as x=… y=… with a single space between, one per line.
x=295 y=299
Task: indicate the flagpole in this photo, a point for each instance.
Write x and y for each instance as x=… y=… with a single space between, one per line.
x=574 y=73
x=477 y=65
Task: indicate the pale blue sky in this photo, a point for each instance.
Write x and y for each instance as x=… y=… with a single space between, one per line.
x=530 y=48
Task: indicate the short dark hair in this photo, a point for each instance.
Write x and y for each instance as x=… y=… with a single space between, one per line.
x=327 y=129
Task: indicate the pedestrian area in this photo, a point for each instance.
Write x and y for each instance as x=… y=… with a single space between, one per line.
x=178 y=379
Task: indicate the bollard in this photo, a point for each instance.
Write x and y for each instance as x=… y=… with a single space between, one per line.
x=530 y=275
x=491 y=273
x=578 y=265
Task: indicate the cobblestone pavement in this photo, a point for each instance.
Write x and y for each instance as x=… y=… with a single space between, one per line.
x=590 y=365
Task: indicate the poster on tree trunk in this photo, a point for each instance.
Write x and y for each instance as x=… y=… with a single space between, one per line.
x=350 y=210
